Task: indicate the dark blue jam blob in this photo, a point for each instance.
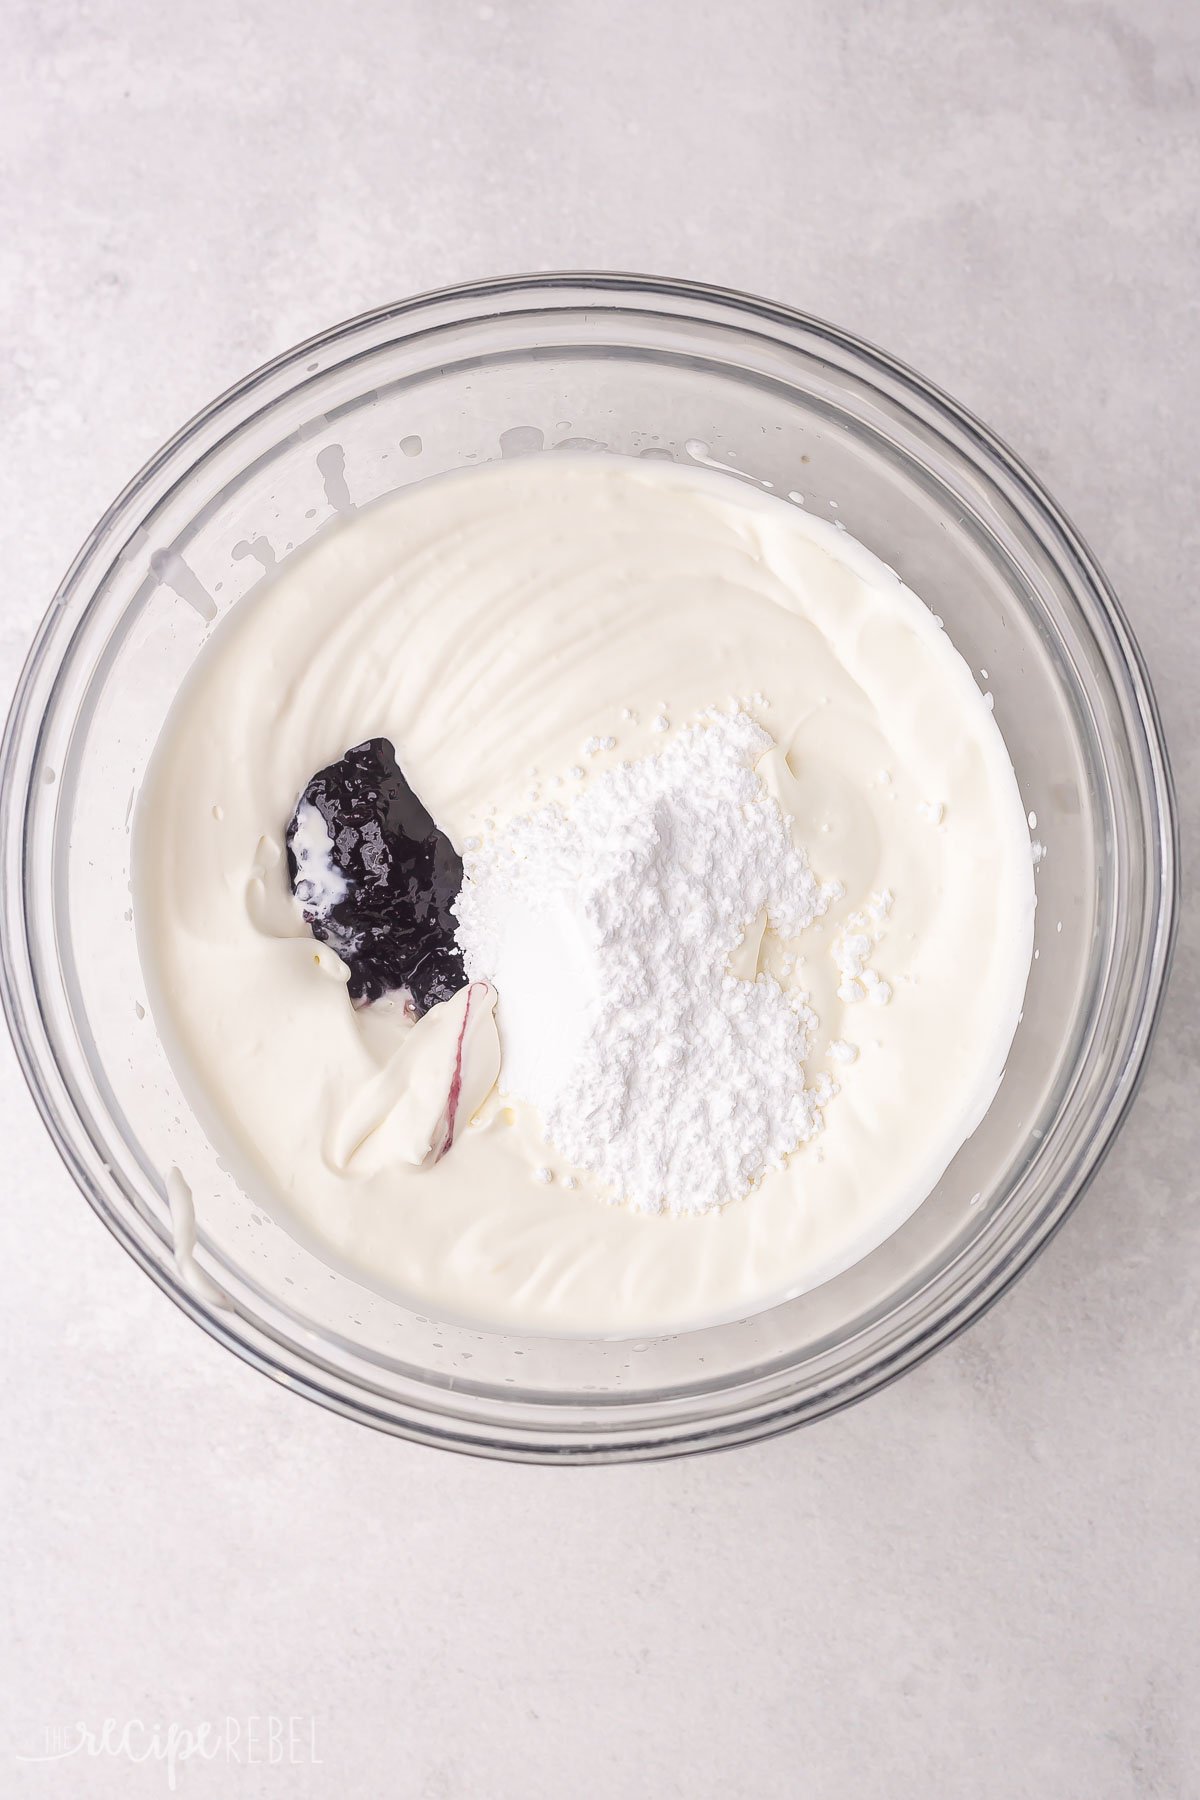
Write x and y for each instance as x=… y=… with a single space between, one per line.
x=392 y=924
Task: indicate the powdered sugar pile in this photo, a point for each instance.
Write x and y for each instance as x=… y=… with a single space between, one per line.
x=608 y=930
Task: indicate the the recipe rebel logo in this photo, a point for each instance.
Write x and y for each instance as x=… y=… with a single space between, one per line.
x=260 y=1740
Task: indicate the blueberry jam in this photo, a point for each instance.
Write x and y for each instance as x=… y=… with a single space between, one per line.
x=376 y=878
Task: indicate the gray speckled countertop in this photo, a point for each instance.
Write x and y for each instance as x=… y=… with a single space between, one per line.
x=981 y=1583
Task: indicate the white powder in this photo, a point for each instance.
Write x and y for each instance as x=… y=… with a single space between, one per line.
x=608 y=930
x=851 y=948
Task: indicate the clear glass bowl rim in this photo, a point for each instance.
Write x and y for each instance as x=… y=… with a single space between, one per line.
x=750 y=1414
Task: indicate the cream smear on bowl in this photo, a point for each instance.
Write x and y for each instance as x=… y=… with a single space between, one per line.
x=628 y=693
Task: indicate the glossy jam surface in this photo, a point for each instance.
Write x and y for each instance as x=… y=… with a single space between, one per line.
x=381 y=899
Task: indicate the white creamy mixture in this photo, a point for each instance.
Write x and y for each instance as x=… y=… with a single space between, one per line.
x=517 y=632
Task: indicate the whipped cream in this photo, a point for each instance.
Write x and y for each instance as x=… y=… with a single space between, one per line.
x=523 y=629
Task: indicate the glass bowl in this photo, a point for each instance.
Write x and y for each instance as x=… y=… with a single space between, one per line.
x=646 y=368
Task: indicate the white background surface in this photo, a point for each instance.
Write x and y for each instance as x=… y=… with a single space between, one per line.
x=982 y=1583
